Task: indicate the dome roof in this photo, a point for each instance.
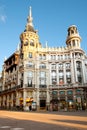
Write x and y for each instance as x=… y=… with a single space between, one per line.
x=72 y=26
x=30 y=28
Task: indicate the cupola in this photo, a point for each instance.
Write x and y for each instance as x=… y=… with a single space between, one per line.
x=73 y=38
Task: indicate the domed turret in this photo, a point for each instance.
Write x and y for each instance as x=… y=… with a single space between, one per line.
x=29 y=26
x=73 y=38
x=29 y=38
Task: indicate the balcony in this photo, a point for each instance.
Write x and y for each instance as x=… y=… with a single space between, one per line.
x=42 y=86
x=53 y=67
x=80 y=85
x=10 y=89
x=68 y=67
x=66 y=86
x=30 y=85
x=30 y=66
x=42 y=67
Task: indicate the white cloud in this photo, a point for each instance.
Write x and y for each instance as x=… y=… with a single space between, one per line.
x=3 y=18
x=2 y=14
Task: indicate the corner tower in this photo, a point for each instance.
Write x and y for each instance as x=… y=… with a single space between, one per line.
x=29 y=38
x=73 y=39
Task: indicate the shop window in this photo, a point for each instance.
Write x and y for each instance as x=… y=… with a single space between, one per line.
x=62 y=92
x=42 y=103
x=70 y=92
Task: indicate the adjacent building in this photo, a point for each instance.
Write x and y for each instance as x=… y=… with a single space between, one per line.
x=0 y=82
x=45 y=78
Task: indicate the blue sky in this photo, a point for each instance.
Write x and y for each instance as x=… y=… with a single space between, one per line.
x=50 y=17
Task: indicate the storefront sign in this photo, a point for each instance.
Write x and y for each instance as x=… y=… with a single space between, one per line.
x=79 y=99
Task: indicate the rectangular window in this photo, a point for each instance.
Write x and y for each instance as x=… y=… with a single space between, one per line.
x=30 y=54
x=42 y=74
x=30 y=64
x=40 y=57
x=43 y=66
x=44 y=57
x=53 y=66
x=30 y=74
x=29 y=83
x=42 y=82
x=70 y=92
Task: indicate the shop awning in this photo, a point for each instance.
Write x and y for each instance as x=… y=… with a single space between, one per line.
x=21 y=99
x=29 y=99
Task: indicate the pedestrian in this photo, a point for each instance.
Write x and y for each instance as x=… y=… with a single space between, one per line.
x=30 y=107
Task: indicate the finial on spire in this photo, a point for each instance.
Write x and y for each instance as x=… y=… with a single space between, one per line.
x=30 y=18
x=18 y=47
x=5 y=58
x=46 y=44
x=30 y=12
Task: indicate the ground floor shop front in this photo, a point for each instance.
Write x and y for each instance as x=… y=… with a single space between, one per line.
x=49 y=100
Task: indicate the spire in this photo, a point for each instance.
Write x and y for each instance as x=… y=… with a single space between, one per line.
x=30 y=18
x=30 y=12
x=18 y=47
x=29 y=25
x=5 y=58
x=46 y=44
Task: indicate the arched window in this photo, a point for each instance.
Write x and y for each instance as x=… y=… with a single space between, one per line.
x=43 y=66
x=72 y=32
x=31 y=42
x=26 y=43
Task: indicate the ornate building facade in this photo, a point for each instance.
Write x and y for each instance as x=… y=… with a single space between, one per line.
x=46 y=78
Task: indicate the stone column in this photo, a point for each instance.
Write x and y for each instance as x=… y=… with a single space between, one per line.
x=48 y=100
x=37 y=79
x=38 y=104
x=83 y=72
x=50 y=82
x=24 y=98
x=4 y=100
x=64 y=70
x=57 y=70
x=72 y=71
x=17 y=99
x=34 y=95
x=0 y=101
x=12 y=100
x=75 y=71
x=7 y=101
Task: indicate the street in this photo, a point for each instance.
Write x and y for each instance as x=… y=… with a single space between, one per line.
x=10 y=120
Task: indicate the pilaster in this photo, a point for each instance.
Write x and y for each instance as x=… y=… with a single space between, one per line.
x=64 y=70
